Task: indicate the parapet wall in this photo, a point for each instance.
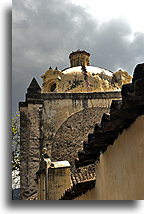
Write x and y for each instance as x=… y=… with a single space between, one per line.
x=117 y=145
x=43 y=115
x=119 y=172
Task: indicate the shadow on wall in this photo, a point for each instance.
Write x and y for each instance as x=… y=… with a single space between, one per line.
x=70 y=136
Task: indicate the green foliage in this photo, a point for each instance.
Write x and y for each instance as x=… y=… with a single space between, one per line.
x=16 y=142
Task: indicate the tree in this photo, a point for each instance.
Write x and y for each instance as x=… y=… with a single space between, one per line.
x=15 y=150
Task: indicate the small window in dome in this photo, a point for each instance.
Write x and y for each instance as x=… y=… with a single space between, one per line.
x=53 y=87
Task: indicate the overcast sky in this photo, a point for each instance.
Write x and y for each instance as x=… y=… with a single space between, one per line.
x=44 y=32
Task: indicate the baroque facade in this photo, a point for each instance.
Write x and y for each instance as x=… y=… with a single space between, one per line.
x=56 y=119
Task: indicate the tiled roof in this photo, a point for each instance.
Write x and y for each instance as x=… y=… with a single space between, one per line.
x=122 y=114
x=78 y=189
x=83 y=180
x=83 y=174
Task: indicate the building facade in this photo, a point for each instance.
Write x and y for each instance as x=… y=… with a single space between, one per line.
x=57 y=118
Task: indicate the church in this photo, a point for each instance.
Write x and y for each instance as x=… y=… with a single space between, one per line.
x=68 y=125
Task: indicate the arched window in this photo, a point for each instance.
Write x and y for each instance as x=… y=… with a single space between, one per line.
x=78 y=62
x=53 y=87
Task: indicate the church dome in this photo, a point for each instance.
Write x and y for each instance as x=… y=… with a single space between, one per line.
x=82 y=77
x=90 y=69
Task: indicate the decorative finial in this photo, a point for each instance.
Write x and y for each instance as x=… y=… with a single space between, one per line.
x=34 y=87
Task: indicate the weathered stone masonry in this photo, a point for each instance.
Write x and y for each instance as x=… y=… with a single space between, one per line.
x=59 y=107
x=30 y=140
x=30 y=146
x=42 y=115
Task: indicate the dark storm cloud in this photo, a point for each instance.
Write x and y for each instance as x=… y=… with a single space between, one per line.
x=46 y=31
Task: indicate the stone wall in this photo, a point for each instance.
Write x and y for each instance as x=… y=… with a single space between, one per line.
x=53 y=179
x=71 y=134
x=42 y=118
x=59 y=180
x=120 y=169
x=30 y=142
x=64 y=112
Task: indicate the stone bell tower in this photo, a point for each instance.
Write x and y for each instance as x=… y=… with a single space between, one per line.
x=79 y=58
